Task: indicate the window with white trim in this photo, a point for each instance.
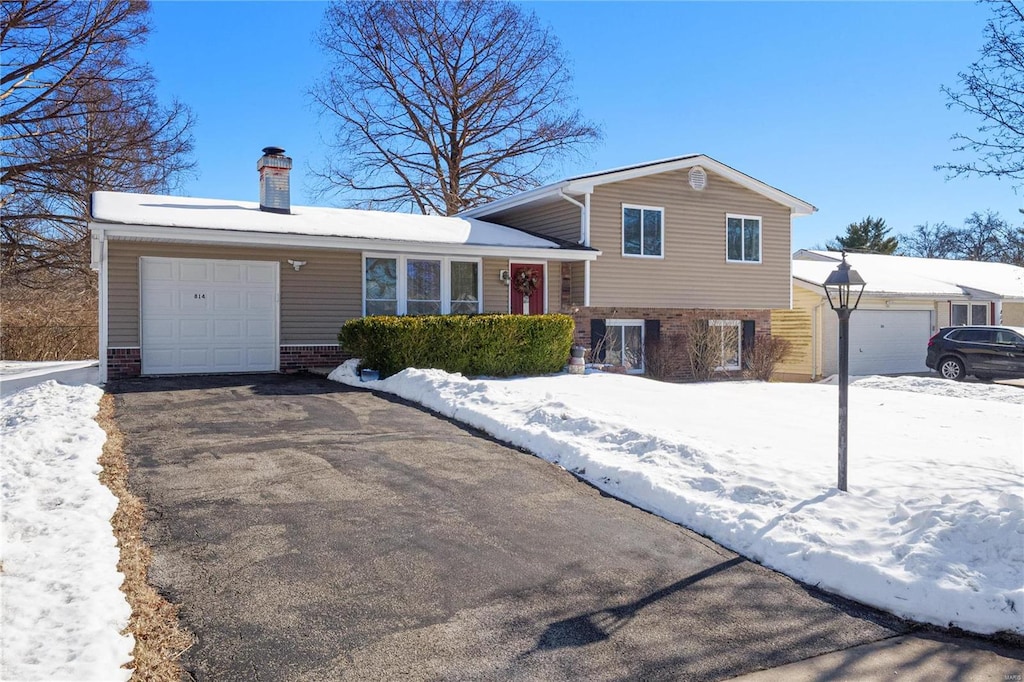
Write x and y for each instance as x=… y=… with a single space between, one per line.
x=421 y=285
x=727 y=334
x=968 y=313
x=643 y=231
x=624 y=344
x=742 y=238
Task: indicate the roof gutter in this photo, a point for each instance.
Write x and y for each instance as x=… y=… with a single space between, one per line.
x=185 y=235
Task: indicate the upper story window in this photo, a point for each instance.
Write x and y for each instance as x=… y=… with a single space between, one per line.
x=742 y=238
x=643 y=231
x=421 y=285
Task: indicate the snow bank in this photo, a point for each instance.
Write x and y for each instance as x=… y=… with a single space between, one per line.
x=932 y=528
x=62 y=610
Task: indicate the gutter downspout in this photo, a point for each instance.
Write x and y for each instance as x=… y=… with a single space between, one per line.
x=586 y=242
x=816 y=335
x=584 y=238
x=99 y=262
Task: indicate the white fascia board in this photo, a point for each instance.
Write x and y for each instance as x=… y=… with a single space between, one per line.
x=185 y=235
x=796 y=206
x=506 y=203
x=878 y=293
x=974 y=292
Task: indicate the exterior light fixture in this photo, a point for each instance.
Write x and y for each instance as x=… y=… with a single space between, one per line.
x=840 y=287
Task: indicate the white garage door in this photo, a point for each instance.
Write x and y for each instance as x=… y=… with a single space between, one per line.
x=208 y=316
x=889 y=341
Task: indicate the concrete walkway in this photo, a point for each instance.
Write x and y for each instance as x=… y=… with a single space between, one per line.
x=312 y=531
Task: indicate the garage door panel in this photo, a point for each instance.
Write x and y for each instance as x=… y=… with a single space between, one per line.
x=258 y=357
x=228 y=359
x=228 y=272
x=231 y=329
x=195 y=272
x=160 y=270
x=228 y=300
x=191 y=329
x=259 y=301
x=255 y=329
x=264 y=273
x=161 y=328
x=203 y=316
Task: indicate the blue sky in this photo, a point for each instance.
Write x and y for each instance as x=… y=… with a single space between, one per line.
x=836 y=103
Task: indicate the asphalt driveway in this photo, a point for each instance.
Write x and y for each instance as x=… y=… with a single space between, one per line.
x=312 y=531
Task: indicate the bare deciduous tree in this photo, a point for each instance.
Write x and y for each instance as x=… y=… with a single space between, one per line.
x=991 y=89
x=984 y=237
x=443 y=104
x=78 y=115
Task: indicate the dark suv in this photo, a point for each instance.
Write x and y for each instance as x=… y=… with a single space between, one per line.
x=985 y=352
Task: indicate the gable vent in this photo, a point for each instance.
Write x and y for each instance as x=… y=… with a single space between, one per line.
x=698 y=178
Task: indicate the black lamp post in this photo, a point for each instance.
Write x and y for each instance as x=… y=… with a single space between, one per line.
x=839 y=288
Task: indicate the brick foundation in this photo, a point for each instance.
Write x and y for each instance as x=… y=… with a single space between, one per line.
x=675 y=325
x=124 y=363
x=297 y=358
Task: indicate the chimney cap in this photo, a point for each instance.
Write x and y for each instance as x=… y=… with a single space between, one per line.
x=273 y=151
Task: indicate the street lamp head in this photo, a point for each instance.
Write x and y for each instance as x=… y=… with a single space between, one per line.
x=841 y=284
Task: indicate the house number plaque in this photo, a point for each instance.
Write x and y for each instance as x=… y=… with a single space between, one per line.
x=200 y=296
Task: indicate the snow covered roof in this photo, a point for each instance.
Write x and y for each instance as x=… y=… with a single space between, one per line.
x=583 y=184
x=902 y=275
x=246 y=216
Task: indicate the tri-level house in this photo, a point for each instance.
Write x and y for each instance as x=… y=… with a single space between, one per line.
x=193 y=285
x=682 y=239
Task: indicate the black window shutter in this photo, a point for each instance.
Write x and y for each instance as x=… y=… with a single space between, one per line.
x=747 y=343
x=652 y=332
x=597 y=339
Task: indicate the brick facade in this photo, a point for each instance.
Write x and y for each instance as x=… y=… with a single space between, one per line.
x=675 y=325
x=297 y=358
x=124 y=363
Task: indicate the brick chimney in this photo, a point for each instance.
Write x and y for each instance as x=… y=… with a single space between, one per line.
x=275 y=189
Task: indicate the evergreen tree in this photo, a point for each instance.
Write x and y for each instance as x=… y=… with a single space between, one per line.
x=867 y=236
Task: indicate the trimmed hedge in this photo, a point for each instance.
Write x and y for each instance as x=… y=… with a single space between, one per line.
x=473 y=345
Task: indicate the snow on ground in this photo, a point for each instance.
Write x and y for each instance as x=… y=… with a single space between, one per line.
x=62 y=609
x=932 y=528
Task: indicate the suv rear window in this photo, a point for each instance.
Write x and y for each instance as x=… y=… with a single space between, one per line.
x=974 y=335
x=1008 y=337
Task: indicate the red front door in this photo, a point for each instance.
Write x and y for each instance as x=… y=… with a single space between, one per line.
x=527 y=288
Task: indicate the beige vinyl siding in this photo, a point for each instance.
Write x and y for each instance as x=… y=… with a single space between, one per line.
x=1013 y=314
x=693 y=272
x=558 y=218
x=315 y=301
x=495 y=291
x=579 y=281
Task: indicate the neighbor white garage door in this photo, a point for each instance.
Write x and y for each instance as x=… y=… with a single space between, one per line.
x=889 y=341
x=208 y=316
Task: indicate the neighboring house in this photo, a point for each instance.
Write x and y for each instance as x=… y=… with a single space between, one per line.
x=680 y=239
x=208 y=286
x=905 y=301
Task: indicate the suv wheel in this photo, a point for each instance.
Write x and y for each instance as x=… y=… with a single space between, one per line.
x=951 y=368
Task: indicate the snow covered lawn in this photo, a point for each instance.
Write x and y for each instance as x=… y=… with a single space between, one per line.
x=62 y=610
x=932 y=528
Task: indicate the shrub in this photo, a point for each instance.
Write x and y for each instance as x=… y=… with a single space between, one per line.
x=53 y=323
x=761 y=361
x=703 y=349
x=662 y=360
x=493 y=345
